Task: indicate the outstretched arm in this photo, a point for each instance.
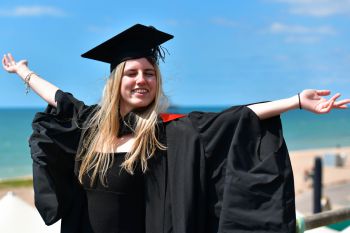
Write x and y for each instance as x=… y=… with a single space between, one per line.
x=311 y=100
x=43 y=88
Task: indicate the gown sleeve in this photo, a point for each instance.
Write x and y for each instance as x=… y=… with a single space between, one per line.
x=54 y=143
x=249 y=178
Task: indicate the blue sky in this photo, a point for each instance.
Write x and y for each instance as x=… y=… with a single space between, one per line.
x=223 y=53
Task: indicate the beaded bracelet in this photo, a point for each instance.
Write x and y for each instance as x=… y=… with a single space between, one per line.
x=26 y=81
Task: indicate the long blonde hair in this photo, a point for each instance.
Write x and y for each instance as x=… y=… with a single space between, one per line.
x=102 y=128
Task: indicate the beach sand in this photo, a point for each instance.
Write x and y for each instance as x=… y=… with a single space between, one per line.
x=302 y=162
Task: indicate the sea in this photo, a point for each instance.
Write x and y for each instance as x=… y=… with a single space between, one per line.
x=302 y=130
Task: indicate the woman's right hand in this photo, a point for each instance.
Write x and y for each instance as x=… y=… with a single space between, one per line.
x=10 y=65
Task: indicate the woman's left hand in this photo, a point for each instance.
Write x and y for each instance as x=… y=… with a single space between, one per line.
x=314 y=101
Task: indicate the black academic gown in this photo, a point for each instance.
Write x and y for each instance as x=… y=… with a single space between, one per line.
x=221 y=172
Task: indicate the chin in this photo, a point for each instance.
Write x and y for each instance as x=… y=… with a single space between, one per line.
x=141 y=107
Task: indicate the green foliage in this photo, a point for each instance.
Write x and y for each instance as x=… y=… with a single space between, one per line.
x=13 y=183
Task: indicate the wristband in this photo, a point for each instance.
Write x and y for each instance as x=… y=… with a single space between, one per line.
x=299 y=101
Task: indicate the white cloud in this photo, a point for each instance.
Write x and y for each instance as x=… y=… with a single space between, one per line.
x=30 y=11
x=300 y=33
x=317 y=8
x=299 y=29
x=224 y=22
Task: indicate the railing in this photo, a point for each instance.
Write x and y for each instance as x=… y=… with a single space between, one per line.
x=322 y=219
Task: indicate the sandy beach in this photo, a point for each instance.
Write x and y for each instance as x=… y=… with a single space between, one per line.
x=302 y=163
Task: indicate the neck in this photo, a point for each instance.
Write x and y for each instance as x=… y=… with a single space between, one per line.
x=124 y=112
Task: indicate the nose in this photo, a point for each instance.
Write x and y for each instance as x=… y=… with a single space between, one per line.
x=140 y=79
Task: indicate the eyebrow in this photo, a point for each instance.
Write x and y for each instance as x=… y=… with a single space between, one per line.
x=145 y=70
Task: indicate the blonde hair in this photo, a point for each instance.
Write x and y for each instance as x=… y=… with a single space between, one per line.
x=102 y=128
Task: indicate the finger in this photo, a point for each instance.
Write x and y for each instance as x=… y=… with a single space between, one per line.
x=5 y=64
x=5 y=59
x=342 y=106
x=8 y=61
x=11 y=58
x=334 y=97
x=342 y=102
x=329 y=104
x=323 y=92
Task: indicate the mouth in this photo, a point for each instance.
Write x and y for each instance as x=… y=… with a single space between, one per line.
x=139 y=91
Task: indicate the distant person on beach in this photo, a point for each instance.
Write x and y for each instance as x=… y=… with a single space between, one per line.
x=125 y=166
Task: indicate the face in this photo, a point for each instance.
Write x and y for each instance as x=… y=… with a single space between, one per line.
x=138 y=85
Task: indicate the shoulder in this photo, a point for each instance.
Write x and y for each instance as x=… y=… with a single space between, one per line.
x=68 y=106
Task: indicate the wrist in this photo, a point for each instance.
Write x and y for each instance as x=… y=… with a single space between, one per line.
x=299 y=101
x=294 y=102
x=23 y=71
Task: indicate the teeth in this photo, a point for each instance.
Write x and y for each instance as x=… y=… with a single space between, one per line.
x=141 y=91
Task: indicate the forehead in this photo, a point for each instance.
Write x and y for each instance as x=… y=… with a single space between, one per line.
x=140 y=63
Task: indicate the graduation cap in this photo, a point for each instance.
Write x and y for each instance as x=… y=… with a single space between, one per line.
x=135 y=42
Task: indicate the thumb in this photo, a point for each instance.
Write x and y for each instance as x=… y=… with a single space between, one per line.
x=23 y=62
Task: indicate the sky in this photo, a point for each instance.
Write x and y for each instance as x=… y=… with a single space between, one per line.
x=223 y=53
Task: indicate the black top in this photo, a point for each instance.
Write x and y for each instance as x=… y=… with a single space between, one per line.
x=119 y=206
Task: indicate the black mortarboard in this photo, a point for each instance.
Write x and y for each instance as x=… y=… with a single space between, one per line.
x=135 y=42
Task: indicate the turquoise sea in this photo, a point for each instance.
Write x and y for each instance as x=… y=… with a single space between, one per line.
x=302 y=130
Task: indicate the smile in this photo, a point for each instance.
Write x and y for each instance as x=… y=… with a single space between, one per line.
x=140 y=91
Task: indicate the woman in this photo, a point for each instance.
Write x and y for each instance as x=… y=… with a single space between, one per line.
x=121 y=166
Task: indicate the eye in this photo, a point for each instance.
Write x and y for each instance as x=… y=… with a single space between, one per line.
x=150 y=74
x=130 y=74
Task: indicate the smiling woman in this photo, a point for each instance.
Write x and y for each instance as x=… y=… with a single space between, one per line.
x=139 y=85
x=123 y=166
